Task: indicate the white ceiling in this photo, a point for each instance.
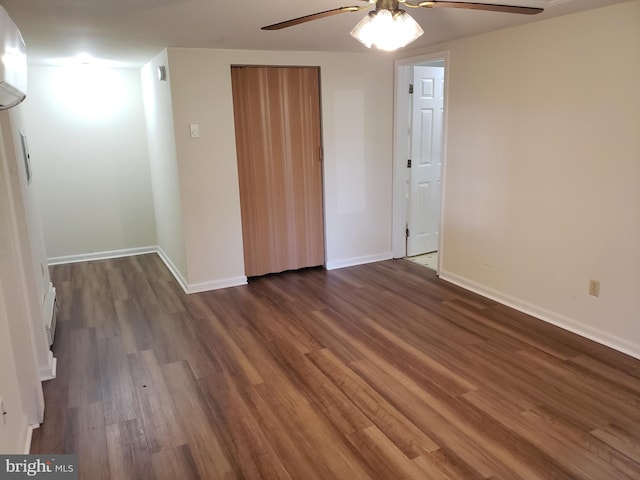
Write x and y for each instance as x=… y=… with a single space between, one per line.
x=133 y=31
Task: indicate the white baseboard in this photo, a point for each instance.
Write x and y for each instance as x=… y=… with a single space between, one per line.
x=173 y=269
x=199 y=287
x=548 y=316
x=50 y=371
x=187 y=287
x=88 y=257
x=216 y=284
x=351 y=262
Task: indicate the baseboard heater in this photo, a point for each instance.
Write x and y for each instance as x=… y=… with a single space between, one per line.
x=49 y=313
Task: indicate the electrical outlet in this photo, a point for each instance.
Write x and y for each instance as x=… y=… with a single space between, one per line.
x=594 y=288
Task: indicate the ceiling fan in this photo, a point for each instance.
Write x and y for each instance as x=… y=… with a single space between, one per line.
x=389 y=27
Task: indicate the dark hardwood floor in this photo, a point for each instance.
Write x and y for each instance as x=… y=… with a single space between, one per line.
x=377 y=371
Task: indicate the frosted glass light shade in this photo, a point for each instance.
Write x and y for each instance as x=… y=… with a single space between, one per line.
x=387 y=30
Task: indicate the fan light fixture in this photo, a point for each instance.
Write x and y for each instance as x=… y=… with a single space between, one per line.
x=387 y=30
x=389 y=27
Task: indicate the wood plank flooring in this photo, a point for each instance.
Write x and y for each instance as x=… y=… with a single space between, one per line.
x=380 y=371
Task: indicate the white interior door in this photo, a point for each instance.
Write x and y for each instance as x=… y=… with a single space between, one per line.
x=425 y=188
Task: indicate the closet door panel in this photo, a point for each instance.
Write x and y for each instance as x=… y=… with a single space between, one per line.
x=277 y=121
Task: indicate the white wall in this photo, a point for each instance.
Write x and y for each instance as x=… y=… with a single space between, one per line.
x=87 y=137
x=13 y=434
x=29 y=202
x=21 y=327
x=543 y=168
x=357 y=132
x=357 y=110
x=164 y=166
x=31 y=249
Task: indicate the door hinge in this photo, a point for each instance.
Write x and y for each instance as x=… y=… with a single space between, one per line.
x=409 y=163
x=411 y=88
x=407 y=232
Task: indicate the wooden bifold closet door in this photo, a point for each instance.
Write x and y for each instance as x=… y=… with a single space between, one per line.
x=277 y=123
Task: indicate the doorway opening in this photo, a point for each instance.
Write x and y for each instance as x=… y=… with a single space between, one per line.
x=420 y=112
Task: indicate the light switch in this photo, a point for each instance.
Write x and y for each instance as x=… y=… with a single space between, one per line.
x=194 y=129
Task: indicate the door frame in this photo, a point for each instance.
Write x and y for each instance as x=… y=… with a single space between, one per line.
x=402 y=105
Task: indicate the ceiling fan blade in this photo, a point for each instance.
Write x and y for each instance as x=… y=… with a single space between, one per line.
x=482 y=6
x=313 y=16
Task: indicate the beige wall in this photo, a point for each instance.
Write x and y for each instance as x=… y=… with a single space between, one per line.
x=87 y=138
x=543 y=168
x=357 y=131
